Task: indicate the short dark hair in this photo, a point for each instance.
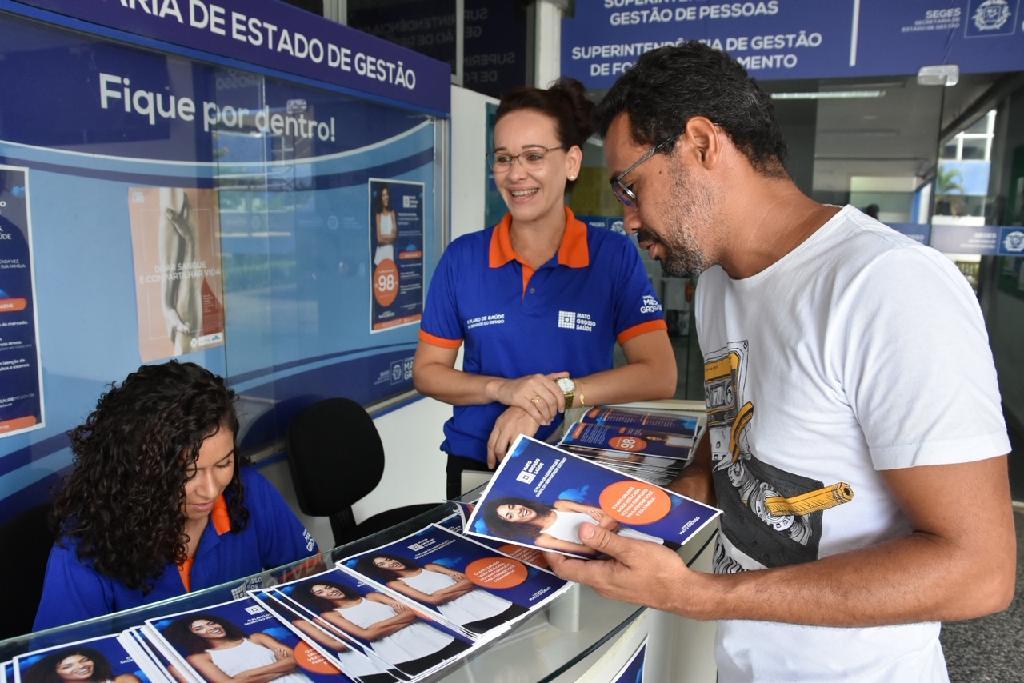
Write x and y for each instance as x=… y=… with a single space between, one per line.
x=670 y=85
x=45 y=670
x=181 y=636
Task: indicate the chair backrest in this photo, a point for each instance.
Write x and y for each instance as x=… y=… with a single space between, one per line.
x=26 y=539
x=335 y=454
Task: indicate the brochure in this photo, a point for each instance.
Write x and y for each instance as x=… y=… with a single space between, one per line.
x=632 y=440
x=633 y=670
x=540 y=495
x=407 y=640
x=667 y=422
x=467 y=584
x=458 y=522
x=140 y=650
x=99 y=660
x=240 y=637
x=652 y=468
x=350 y=657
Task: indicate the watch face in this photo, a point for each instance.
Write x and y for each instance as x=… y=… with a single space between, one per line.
x=565 y=384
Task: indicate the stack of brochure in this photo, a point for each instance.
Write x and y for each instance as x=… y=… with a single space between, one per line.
x=401 y=611
x=651 y=445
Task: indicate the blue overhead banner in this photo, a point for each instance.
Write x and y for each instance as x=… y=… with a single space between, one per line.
x=787 y=39
x=275 y=36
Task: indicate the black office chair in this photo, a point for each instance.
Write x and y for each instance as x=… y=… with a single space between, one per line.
x=27 y=539
x=336 y=458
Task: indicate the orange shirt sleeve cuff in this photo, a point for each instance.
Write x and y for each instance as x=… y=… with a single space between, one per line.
x=428 y=338
x=637 y=330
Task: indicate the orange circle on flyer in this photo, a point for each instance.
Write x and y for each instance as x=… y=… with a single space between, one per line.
x=635 y=502
x=632 y=444
x=312 y=661
x=385 y=282
x=524 y=554
x=496 y=572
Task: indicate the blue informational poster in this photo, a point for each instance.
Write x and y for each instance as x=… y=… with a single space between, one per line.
x=21 y=392
x=275 y=35
x=396 y=246
x=190 y=205
x=787 y=39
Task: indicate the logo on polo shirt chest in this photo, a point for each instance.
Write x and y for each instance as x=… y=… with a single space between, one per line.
x=485 y=321
x=573 y=320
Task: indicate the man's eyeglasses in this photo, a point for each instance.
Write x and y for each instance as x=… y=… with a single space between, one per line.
x=625 y=193
x=532 y=158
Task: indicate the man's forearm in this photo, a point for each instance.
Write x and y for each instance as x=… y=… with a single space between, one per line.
x=916 y=578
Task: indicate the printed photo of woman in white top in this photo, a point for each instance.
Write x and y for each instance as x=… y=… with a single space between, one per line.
x=554 y=527
x=222 y=653
x=449 y=591
x=395 y=633
x=74 y=665
x=385 y=224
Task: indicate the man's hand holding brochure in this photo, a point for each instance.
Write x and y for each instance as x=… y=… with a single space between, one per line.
x=543 y=497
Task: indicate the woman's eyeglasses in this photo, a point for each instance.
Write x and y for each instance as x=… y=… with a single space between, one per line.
x=532 y=158
x=625 y=193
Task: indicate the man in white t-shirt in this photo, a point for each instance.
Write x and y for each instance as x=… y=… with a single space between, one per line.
x=856 y=442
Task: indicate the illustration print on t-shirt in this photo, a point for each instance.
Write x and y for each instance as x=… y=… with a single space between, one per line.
x=771 y=517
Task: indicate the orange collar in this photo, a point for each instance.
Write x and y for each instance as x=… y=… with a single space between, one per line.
x=220 y=517
x=573 y=252
x=221 y=524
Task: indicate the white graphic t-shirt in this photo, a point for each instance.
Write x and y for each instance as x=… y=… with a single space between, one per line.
x=858 y=351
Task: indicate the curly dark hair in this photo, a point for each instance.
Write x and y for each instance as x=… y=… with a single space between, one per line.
x=123 y=501
x=565 y=101
x=524 y=532
x=366 y=566
x=670 y=85
x=180 y=634
x=303 y=594
x=45 y=670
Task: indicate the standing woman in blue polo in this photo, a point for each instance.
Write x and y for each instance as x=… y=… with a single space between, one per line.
x=158 y=502
x=539 y=300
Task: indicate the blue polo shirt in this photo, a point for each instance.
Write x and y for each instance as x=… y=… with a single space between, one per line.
x=73 y=590
x=567 y=315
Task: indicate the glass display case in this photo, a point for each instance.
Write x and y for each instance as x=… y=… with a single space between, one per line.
x=557 y=643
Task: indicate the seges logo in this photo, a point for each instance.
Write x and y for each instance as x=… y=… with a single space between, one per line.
x=650 y=304
x=1014 y=241
x=991 y=15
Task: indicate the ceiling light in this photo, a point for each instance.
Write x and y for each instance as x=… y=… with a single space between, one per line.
x=829 y=95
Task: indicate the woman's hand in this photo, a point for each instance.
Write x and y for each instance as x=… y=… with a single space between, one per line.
x=510 y=424
x=537 y=394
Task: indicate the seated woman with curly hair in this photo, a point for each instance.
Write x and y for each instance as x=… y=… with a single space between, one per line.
x=158 y=503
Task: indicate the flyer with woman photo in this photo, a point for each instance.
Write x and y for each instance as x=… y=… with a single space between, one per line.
x=540 y=495
x=353 y=659
x=390 y=629
x=97 y=660
x=467 y=584
x=241 y=639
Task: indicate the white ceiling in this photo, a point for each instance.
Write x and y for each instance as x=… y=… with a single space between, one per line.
x=895 y=135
